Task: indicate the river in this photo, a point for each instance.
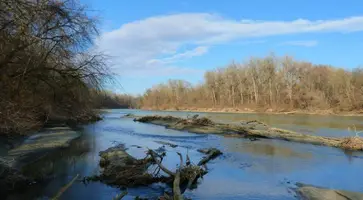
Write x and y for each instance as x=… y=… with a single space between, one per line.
x=259 y=170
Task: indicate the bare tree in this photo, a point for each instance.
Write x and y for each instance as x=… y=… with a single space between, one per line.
x=266 y=82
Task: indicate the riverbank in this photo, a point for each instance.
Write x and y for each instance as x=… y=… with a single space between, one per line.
x=262 y=111
x=249 y=129
x=32 y=149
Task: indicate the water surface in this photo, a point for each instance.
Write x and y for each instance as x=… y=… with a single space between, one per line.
x=264 y=169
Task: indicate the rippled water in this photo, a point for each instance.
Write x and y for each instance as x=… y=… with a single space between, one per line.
x=264 y=169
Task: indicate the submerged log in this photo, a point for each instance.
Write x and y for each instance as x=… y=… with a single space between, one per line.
x=211 y=154
x=167 y=144
x=244 y=130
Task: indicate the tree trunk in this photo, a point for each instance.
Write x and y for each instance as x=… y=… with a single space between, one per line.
x=255 y=91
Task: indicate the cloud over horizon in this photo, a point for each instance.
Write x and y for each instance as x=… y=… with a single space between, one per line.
x=155 y=45
x=303 y=43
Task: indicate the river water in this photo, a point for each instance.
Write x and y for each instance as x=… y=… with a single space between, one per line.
x=260 y=170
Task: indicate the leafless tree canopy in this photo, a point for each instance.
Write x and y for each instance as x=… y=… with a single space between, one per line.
x=45 y=62
x=261 y=83
x=108 y=99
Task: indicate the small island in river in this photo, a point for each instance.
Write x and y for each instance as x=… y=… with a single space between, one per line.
x=249 y=129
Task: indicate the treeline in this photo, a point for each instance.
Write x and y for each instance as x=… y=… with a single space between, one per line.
x=107 y=99
x=273 y=83
x=46 y=68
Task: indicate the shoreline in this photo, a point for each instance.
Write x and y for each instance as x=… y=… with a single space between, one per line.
x=250 y=111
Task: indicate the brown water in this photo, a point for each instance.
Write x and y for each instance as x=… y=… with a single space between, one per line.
x=264 y=169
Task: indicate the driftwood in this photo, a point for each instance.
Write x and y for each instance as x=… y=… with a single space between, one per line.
x=186 y=174
x=176 y=184
x=153 y=155
x=121 y=169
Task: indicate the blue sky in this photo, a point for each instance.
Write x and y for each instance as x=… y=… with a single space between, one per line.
x=151 y=41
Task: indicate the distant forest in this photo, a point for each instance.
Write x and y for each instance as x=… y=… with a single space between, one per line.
x=107 y=99
x=269 y=83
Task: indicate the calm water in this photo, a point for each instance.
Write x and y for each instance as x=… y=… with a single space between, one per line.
x=264 y=169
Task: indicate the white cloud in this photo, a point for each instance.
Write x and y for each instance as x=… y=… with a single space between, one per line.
x=303 y=43
x=154 y=43
x=198 y=51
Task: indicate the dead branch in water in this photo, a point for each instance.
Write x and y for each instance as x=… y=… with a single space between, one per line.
x=120 y=196
x=211 y=154
x=153 y=155
x=64 y=188
x=186 y=173
x=176 y=184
